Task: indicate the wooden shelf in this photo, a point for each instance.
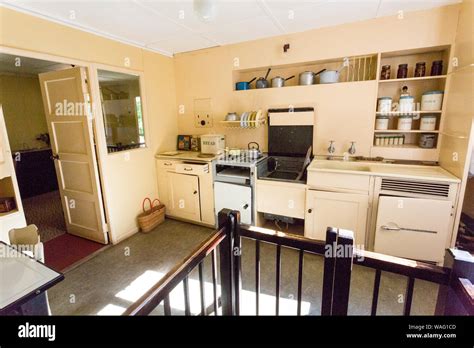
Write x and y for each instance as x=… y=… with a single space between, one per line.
x=408 y=79
x=404 y=131
x=237 y=124
x=404 y=146
x=414 y=113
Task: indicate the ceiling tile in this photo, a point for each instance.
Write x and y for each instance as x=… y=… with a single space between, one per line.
x=326 y=13
x=250 y=29
x=122 y=19
x=228 y=12
x=391 y=7
x=182 y=42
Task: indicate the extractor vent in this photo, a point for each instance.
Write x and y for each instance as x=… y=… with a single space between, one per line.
x=416 y=187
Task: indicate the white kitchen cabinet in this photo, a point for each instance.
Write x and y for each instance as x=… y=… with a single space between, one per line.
x=413 y=228
x=286 y=199
x=234 y=197
x=183 y=191
x=333 y=209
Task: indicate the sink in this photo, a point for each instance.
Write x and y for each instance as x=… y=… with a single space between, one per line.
x=339 y=165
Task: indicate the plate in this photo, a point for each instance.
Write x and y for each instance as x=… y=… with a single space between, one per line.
x=252 y=119
x=242 y=119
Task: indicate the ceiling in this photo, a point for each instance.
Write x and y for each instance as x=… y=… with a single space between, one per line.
x=171 y=26
x=27 y=66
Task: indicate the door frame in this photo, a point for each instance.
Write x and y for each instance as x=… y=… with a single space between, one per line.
x=96 y=122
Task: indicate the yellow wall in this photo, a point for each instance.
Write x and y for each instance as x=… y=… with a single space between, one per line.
x=125 y=182
x=23 y=111
x=209 y=74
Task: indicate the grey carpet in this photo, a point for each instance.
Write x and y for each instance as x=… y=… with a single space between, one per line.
x=46 y=212
x=112 y=279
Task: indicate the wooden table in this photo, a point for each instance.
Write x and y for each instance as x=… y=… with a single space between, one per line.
x=22 y=278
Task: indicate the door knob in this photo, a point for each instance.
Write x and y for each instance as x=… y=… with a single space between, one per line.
x=54 y=157
x=245 y=206
x=310 y=211
x=195 y=192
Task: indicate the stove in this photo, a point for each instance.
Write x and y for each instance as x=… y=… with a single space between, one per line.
x=241 y=160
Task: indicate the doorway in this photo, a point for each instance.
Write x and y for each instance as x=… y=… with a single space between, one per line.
x=54 y=194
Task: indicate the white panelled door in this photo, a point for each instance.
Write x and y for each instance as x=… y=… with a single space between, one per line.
x=66 y=103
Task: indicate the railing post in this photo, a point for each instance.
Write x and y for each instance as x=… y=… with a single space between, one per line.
x=225 y=220
x=337 y=271
x=456 y=298
x=236 y=261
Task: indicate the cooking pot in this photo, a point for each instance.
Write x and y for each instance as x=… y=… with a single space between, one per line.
x=231 y=116
x=308 y=77
x=262 y=82
x=241 y=86
x=329 y=76
x=254 y=150
x=280 y=81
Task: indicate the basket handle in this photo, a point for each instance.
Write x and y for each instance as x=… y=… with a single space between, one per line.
x=153 y=203
x=143 y=204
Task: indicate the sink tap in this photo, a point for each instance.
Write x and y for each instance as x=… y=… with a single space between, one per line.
x=331 y=148
x=352 y=149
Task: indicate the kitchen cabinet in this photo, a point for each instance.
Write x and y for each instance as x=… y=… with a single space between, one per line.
x=234 y=197
x=162 y=168
x=183 y=196
x=335 y=209
x=280 y=198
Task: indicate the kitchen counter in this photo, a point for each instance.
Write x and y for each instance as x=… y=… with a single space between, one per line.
x=185 y=156
x=407 y=171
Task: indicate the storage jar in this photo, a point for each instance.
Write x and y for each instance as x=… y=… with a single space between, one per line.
x=432 y=101
x=384 y=104
x=427 y=141
x=405 y=122
x=381 y=122
x=406 y=104
x=437 y=68
x=402 y=72
x=385 y=73
x=420 y=69
x=428 y=122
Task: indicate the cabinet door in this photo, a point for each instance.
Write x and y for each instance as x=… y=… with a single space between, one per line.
x=340 y=210
x=281 y=198
x=234 y=197
x=162 y=168
x=183 y=193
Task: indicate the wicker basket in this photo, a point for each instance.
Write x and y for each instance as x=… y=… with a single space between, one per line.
x=152 y=217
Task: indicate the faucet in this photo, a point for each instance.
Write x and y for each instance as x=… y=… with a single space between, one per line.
x=331 y=148
x=352 y=149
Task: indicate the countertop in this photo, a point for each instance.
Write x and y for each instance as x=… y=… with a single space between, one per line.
x=407 y=171
x=185 y=156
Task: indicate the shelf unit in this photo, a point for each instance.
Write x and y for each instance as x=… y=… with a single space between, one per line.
x=416 y=87
x=359 y=68
x=238 y=124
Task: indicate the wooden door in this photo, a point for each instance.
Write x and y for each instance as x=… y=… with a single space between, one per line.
x=67 y=108
x=183 y=195
x=332 y=209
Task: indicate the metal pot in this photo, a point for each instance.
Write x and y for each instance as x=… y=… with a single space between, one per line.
x=329 y=76
x=262 y=82
x=241 y=86
x=279 y=81
x=308 y=77
x=254 y=150
x=231 y=116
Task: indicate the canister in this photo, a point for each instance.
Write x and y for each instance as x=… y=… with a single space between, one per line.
x=384 y=104
x=404 y=122
x=427 y=141
x=428 y=122
x=406 y=104
x=432 y=101
x=381 y=122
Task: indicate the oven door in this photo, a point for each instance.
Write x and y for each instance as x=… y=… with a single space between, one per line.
x=234 y=197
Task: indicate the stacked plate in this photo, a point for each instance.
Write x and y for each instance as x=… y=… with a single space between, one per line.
x=251 y=119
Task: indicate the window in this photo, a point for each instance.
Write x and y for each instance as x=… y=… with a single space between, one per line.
x=122 y=109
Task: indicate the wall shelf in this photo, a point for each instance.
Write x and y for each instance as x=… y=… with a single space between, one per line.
x=247 y=124
x=412 y=79
x=405 y=131
x=414 y=113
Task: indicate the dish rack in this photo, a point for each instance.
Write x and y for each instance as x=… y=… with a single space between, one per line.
x=247 y=120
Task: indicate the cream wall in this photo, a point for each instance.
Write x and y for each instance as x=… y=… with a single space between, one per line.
x=23 y=111
x=209 y=74
x=126 y=180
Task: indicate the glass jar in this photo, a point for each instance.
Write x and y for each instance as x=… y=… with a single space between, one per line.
x=381 y=122
x=437 y=68
x=420 y=69
x=404 y=122
x=385 y=73
x=402 y=72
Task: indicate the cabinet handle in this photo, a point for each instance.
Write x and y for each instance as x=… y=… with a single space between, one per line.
x=188 y=169
x=390 y=228
x=54 y=157
x=245 y=206
x=195 y=192
x=167 y=164
x=310 y=211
